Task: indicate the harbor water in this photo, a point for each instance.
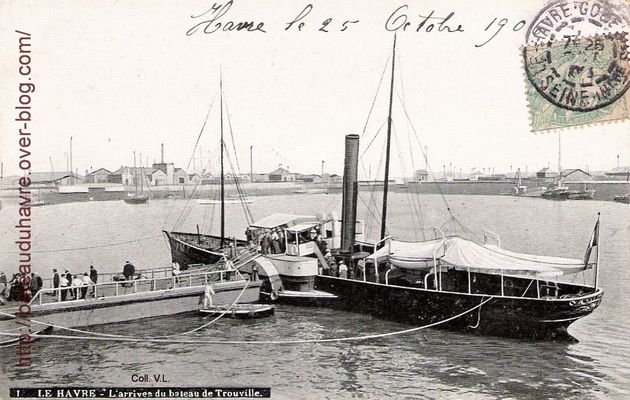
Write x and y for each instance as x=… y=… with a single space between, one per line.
x=425 y=364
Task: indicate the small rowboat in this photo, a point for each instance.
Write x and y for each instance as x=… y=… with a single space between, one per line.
x=242 y=311
x=136 y=200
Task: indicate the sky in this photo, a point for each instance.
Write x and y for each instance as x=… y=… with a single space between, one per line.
x=123 y=76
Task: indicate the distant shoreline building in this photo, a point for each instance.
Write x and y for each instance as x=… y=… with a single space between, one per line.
x=422 y=175
x=101 y=175
x=619 y=173
x=55 y=178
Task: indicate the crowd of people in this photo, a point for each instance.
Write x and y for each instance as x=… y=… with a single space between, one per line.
x=339 y=268
x=273 y=242
x=21 y=287
x=71 y=286
x=74 y=286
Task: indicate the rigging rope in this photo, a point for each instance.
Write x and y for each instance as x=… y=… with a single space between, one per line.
x=201 y=131
x=241 y=194
x=413 y=128
x=259 y=342
x=193 y=155
x=227 y=112
x=415 y=199
x=190 y=203
x=402 y=164
x=378 y=88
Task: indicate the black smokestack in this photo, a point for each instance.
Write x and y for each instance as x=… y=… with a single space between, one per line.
x=350 y=191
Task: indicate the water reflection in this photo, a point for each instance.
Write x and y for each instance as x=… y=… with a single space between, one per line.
x=432 y=363
x=447 y=362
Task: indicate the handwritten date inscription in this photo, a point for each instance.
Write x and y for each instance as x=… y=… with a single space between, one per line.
x=215 y=19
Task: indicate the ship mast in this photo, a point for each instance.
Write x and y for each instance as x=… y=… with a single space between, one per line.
x=222 y=175
x=135 y=174
x=389 y=137
x=559 y=161
x=141 y=177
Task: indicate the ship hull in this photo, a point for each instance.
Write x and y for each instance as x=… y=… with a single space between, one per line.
x=501 y=316
x=553 y=195
x=190 y=248
x=134 y=306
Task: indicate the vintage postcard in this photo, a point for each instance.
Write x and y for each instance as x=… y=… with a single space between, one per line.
x=314 y=200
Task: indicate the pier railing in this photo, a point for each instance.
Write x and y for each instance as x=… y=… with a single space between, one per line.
x=126 y=287
x=108 y=276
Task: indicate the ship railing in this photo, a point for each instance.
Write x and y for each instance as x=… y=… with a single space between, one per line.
x=505 y=288
x=126 y=287
x=438 y=282
x=244 y=257
x=108 y=276
x=385 y=240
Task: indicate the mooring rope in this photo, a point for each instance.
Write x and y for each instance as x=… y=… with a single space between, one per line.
x=259 y=342
x=113 y=335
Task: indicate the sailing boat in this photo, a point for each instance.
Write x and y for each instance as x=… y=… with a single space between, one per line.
x=519 y=188
x=196 y=249
x=558 y=191
x=454 y=282
x=137 y=197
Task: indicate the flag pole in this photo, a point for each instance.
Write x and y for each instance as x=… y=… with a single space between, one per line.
x=597 y=256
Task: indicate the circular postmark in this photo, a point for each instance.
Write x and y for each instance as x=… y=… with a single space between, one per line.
x=576 y=53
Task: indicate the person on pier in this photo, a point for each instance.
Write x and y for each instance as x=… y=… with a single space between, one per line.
x=87 y=282
x=128 y=270
x=69 y=278
x=36 y=283
x=63 y=284
x=55 y=279
x=77 y=289
x=207 y=297
x=93 y=274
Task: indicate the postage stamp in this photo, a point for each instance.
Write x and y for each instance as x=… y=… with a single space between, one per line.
x=577 y=82
x=576 y=64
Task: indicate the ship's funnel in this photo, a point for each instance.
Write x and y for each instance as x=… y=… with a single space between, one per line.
x=350 y=192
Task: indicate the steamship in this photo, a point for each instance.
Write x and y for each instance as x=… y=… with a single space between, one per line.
x=451 y=281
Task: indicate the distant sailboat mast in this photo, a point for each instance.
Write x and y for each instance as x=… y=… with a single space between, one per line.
x=141 y=177
x=135 y=173
x=222 y=174
x=389 y=137
x=559 y=161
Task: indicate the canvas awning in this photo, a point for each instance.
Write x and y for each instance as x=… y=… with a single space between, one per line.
x=276 y=220
x=305 y=226
x=420 y=251
x=465 y=254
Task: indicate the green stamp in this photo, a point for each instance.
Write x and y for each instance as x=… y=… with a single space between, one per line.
x=545 y=115
x=577 y=82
